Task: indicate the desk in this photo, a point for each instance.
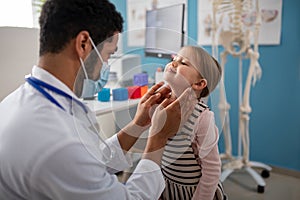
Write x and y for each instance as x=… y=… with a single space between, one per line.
x=101 y=108
x=113 y=115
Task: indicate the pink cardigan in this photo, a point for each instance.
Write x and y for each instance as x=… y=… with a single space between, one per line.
x=205 y=146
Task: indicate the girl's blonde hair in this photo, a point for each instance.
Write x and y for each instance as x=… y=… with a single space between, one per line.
x=207 y=66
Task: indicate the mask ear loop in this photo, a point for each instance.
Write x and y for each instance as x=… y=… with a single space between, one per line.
x=97 y=52
x=83 y=67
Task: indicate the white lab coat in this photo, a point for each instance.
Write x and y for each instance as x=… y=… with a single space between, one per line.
x=48 y=153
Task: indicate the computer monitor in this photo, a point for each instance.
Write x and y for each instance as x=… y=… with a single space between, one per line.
x=164 y=31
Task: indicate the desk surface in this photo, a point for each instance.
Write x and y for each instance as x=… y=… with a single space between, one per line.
x=101 y=108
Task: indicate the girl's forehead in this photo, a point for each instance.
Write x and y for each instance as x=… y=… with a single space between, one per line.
x=186 y=53
x=189 y=55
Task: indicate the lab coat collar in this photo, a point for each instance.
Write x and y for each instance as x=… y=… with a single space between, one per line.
x=45 y=76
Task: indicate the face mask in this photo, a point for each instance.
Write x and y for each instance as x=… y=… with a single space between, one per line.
x=92 y=87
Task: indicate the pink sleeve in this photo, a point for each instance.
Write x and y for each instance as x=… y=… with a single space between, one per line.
x=205 y=145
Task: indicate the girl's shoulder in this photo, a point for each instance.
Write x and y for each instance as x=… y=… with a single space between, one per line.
x=202 y=110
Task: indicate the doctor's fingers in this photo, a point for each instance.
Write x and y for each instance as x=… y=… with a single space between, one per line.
x=165 y=120
x=157 y=94
x=149 y=102
x=165 y=92
x=151 y=92
x=180 y=106
x=145 y=110
x=170 y=115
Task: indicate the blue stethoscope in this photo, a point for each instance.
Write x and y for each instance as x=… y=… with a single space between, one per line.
x=40 y=85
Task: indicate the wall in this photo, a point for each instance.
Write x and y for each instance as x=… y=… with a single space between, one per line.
x=18 y=53
x=275 y=117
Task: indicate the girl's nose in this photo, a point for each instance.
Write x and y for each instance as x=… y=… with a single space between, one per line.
x=174 y=63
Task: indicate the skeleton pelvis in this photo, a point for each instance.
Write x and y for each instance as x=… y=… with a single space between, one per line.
x=235 y=43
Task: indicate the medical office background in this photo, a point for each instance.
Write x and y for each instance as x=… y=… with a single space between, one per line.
x=275 y=99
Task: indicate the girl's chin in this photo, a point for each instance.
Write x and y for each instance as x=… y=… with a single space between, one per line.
x=177 y=85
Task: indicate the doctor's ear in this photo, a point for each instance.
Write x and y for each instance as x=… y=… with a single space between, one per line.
x=82 y=43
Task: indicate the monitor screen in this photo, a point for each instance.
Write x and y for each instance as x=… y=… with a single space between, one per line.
x=164 y=31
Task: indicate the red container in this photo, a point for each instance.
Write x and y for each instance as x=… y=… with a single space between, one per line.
x=134 y=92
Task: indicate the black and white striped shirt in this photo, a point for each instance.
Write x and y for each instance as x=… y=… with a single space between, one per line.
x=179 y=165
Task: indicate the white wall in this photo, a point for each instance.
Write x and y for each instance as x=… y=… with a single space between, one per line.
x=18 y=53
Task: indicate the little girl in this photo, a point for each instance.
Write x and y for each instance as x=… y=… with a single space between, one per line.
x=191 y=164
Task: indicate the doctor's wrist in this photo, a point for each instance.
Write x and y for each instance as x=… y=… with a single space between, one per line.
x=154 y=149
x=134 y=130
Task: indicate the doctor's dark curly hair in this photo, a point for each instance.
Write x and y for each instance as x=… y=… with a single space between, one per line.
x=62 y=20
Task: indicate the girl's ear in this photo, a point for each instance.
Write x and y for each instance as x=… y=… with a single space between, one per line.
x=82 y=44
x=200 y=85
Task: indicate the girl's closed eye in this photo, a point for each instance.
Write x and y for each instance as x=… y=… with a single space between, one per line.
x=184 y=62
x=180 y=60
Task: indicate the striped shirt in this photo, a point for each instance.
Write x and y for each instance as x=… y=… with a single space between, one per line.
x=180 y=165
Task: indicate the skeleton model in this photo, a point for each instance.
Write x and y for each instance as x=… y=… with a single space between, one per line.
x=236 y=40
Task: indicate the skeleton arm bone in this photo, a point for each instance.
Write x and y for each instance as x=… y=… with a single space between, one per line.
x=253 y=72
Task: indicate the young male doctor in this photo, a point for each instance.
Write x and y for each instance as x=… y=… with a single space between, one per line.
x=49 y=142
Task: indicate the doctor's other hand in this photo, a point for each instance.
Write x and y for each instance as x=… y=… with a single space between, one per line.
x=167 y=120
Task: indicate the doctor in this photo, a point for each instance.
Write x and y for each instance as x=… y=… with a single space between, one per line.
x=49 y=143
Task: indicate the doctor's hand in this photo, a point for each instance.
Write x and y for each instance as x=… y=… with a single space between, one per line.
x=142 y=119
x=167 y=120
x=149 y=102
